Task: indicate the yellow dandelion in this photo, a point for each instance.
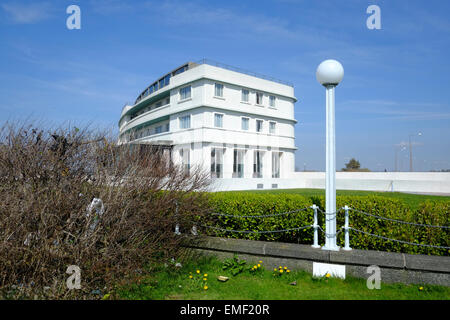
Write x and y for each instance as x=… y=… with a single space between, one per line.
x=281 y=270
x=288 y=270
x=205 y=275
x=259 y=265
x=285 y=268
x=260 y=261
x=205 y=287
x=198 y=271
x=328 y=275
x=280 y=267
x=420 y=288
x=190 y=277
x=204 y=279
x=274 y=269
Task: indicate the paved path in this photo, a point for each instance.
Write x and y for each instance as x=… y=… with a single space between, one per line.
x=430 y=194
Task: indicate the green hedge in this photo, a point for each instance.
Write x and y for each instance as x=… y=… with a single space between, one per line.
x=248 y=204
x=242 y=204
x=434 y=213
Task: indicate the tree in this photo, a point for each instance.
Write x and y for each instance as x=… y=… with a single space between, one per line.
x=354 y=165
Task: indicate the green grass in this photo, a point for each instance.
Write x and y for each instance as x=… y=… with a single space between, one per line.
x=413 y=200
x=171 y=283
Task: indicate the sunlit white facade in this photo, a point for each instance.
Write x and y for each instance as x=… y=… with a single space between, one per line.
x=237 y=126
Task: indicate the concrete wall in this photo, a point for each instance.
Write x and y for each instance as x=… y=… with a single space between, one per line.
x=421 y=182
x=395 y=267
x=415 y=182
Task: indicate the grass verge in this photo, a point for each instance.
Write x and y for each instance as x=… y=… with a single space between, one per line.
x=176 y=283
x=412 y=200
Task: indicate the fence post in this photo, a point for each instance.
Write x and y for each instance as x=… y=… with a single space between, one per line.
x=177 y=226
x=346 y=228
x=316 y=227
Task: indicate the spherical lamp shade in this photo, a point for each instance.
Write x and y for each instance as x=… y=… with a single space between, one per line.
x=330 y=72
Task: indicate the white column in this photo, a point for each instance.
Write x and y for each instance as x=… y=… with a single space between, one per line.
x=330 y=197
x=206 y=157
x=228 y=162
x=267 y=165
x=329 y=73
x=248 y=163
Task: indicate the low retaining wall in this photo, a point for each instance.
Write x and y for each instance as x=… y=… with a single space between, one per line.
x=420 y=182
x=395 y=267
x=415 y=182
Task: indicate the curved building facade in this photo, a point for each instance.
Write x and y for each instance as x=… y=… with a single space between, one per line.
x=237 y=125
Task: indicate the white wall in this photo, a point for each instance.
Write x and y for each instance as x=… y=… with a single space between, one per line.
x=423 y=182
x=415 y=182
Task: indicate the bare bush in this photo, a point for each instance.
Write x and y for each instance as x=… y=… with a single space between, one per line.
x=47 y=182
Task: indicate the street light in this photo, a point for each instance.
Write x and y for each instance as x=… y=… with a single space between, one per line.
x=329 y=73
x=410 y=150
x=398 y=148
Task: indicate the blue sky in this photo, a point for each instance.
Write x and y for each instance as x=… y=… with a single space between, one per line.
x=396 y=79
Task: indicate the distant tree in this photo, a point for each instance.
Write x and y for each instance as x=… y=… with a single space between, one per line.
x=353 y=165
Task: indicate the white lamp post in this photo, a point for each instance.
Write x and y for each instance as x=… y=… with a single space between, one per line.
x=329 y=73
x=410 y=151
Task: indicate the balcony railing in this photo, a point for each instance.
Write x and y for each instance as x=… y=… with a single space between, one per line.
x=240 y=70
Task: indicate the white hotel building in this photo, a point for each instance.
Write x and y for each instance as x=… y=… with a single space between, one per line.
x=239 y=126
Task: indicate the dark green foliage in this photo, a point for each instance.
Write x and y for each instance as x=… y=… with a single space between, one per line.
x=433 y=213
x=234 y=265
x=244 y=204
x=248 y=204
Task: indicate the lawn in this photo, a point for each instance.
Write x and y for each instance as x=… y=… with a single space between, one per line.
x=175 y=283
x=413 y=200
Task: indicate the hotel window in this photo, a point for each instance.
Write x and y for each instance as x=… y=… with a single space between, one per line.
x=238 y=163
x=185 y=122
x=272 y=101
x=218 y=120
x=257 y=164
x=185 y=160
x=245 y=123
x=276 y=164
x=218 y=90
x=259 y=98
x=167 y=80
x=158 y=129
x=216 y=163
x=182 y=69
x=245 y=95
x=185 y=93
x=167 y=127
x=259 y=125
x=272 y=127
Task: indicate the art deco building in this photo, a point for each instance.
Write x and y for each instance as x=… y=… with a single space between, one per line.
x=238 y=125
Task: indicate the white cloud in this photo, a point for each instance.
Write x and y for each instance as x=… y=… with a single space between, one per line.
x=109 y=7
x=395 y=110
x=27 y=13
